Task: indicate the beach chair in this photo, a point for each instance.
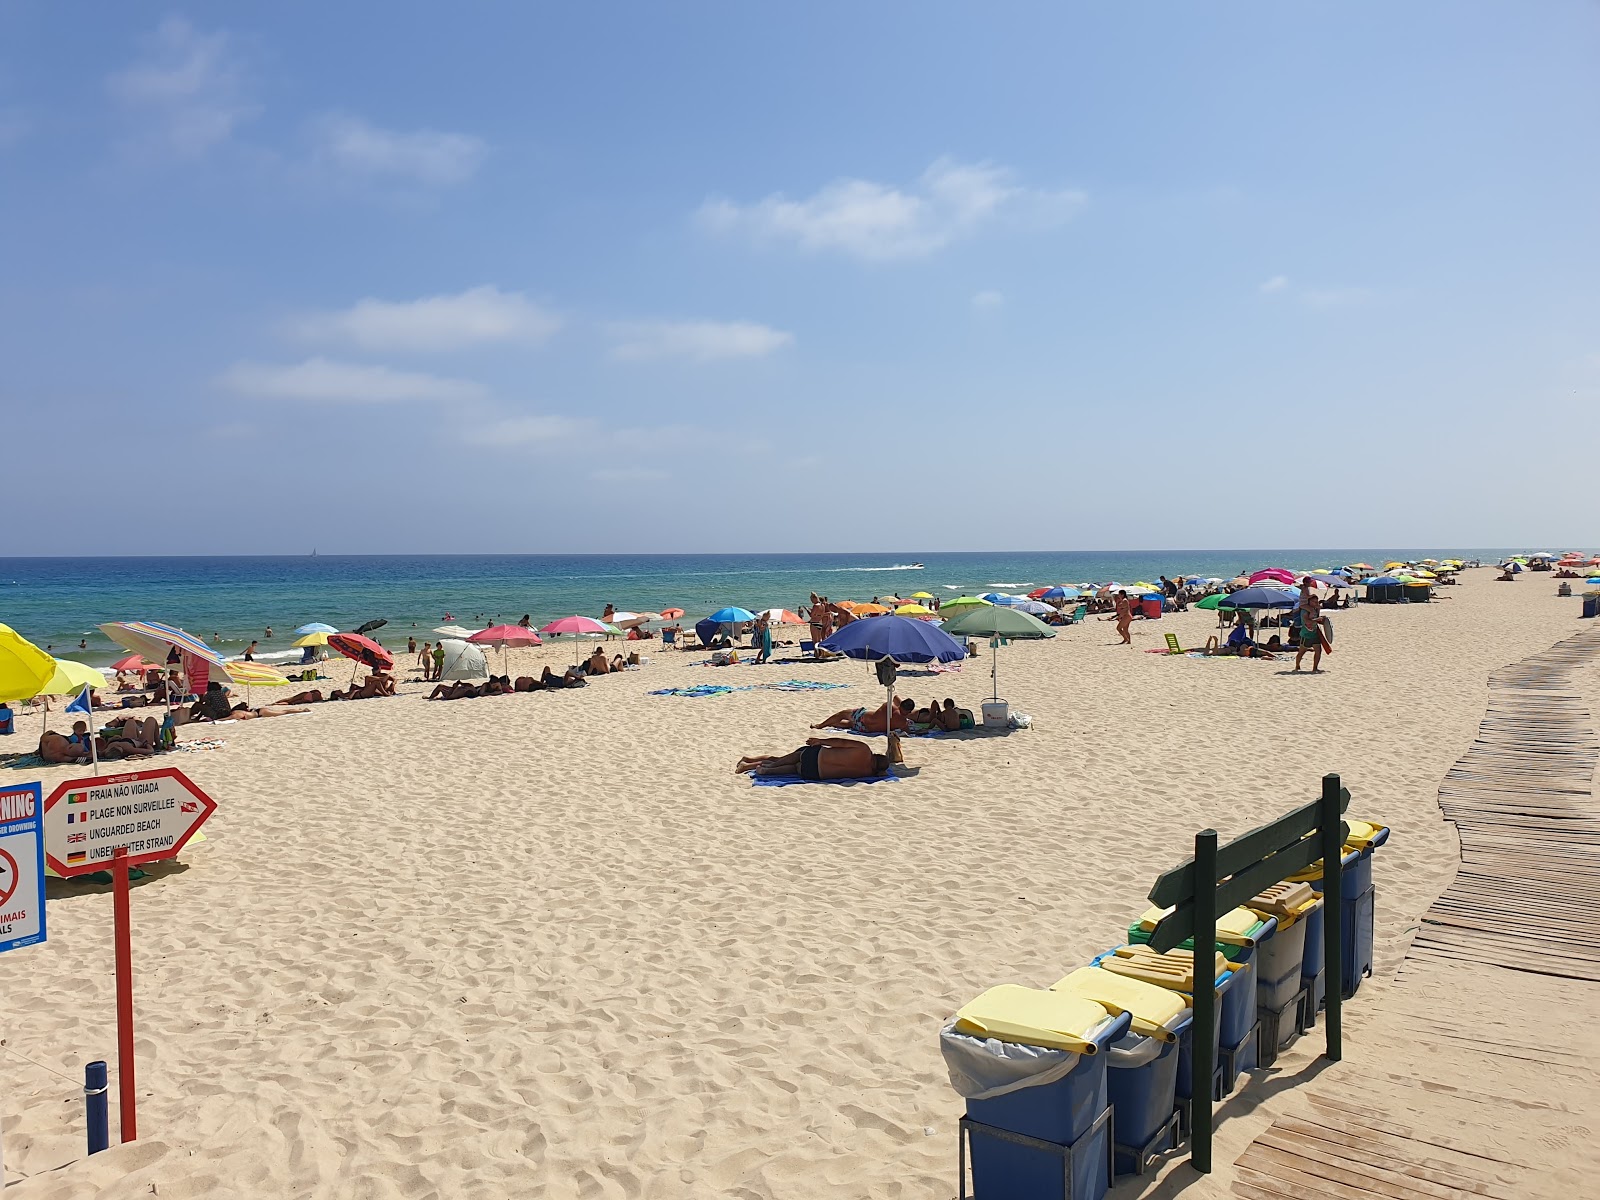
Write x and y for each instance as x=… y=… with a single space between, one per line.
x=669 y=637
x=1078 y=615
x=1172 y=644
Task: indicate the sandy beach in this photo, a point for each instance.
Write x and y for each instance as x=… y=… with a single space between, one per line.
x=549 y=945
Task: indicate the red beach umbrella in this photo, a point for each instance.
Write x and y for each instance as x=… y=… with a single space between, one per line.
x=671 y=614
x=134 y=662
x=363 y=649
x=505 y=636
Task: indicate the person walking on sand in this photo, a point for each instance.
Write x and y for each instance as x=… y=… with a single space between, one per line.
x=438 y=660
x=1124 y=619
x=1308 y=626
x=425 y=661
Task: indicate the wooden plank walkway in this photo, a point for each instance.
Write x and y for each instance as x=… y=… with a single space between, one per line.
x=1522 y=914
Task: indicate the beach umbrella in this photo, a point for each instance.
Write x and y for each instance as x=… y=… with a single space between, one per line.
x=1272 y=574
x=24 y=668
x=454 y=631
x=155 y=641
x=574 y=626
x=1593 y=579
x=922 y=595
x=995 y=623
x=1261 y=597
x=1361 y=567
x=315 y=627
x=868 y=610
x=319 y=638
x=363 y=650
x=69 y=678
x=963 y=603
x=462 y=660
x=671 y=614
x=369 y=626
x=253 y=673
x=505 y=636
x=901 y=639
x=782 y=616
x=134 y=662
x=1210 y=603
x=914 y=610
x=995 y=597
x=732 y=615
x=1059 y=593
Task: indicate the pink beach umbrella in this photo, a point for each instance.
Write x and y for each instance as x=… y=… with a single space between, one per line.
x=505 y=636
x=1273 y=575
x=574 y=626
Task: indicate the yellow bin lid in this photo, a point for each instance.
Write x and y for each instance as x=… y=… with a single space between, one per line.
x=1362 y=833
x=1233 y=927
x=1174 y=969
x=1153 y=1008
x=1013 y=1013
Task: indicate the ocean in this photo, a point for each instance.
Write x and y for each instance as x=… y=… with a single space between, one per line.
x=59 y=602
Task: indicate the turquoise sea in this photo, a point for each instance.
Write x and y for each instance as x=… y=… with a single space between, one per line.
x=59 y=602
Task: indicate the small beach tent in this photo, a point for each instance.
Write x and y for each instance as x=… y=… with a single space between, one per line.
x=462 y=660
x=995 y=623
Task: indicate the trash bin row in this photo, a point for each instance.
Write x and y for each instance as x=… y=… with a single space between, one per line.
x=1091 y=1077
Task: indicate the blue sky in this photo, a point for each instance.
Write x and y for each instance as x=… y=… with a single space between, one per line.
x=724 y=276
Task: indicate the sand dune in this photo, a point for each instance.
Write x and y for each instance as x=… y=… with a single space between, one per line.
x=548 y=945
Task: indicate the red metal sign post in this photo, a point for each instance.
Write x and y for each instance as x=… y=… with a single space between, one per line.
x=127 y=1115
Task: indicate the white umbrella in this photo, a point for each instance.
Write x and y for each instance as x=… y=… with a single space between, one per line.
x=455 y=631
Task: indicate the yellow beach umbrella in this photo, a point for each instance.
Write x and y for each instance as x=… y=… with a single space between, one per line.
x=24 y=668
x=913 y=610
x=70 y=678
x=922 y=595
x=313 y=639
x=256 y=673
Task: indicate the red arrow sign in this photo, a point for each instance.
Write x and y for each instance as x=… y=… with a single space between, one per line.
x=151 y=814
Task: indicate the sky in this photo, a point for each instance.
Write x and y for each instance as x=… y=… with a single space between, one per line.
x=400 y=277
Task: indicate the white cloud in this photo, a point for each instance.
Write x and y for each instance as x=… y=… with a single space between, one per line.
x=527 y=431
x=424 y=156
x=987 y=299
x=449 y=322
x=880 y=221
x=698 y=341
x=1276 y=284
x=324 y=380
x=187 y=88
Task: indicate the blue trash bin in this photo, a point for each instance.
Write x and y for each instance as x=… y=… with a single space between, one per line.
x=1357 y=898
x=1142 y=1084
x=1313 y=980
x=1280 y=986
x=1051 y=1142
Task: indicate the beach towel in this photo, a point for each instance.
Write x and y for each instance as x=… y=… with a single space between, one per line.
x=788 y=780
x=916 y=731
x=205 y=743
x=698 y=690
x=798 y=685
x=23 y=762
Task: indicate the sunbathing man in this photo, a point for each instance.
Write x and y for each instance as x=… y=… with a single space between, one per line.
x=57 y=748
x=820 y=758
x=597 y=663
x=861 y=721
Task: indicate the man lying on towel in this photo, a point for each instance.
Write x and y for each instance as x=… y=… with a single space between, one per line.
x=819 y=759
x=864 y=721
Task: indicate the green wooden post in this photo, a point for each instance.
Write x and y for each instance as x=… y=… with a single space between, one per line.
x=1332 y=837
x=1205 y=996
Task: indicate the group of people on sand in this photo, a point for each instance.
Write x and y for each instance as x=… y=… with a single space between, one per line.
x=577 y=675
x=823 y=758
x=374 y=686
x=122 y=737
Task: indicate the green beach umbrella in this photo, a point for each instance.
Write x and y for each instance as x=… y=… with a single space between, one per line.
x=995 y=621
x=963 y=604
x=1209 y=603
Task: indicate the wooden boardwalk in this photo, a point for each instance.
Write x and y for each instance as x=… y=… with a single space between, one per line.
x=1485 y=994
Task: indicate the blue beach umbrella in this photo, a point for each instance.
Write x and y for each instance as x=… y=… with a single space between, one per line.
x=1593 y=579
x=904 y=639
x=1060 y=593
x=315 y=627
x=1260 y=597
x=732 y=615
x=1382 y=581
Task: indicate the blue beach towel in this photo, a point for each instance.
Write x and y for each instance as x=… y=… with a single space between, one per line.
x=788 y=780
x=699 y=689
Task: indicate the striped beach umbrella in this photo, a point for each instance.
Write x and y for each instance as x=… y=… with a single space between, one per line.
x=155 y=641
x=362 y=649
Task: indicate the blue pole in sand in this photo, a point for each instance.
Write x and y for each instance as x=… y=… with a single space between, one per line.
x=97 y=1106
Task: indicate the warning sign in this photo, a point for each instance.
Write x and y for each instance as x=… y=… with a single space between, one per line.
x=151 y=814
x=21 y=866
